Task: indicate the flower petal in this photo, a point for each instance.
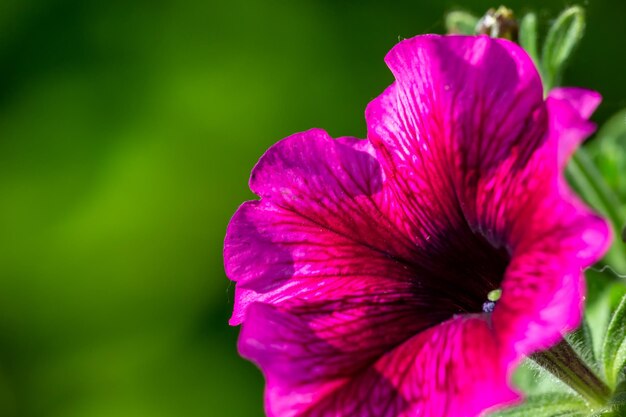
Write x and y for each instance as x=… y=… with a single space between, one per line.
x=322 y=229
x=554 y=236
x=461 y=107
x=543 y=287
x=582 y=101
x=311 y=369
x=570 y=109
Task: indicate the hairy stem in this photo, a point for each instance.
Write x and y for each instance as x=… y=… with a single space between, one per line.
x=565 y=364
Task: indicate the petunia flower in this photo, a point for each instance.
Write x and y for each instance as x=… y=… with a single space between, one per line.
x=363 y=271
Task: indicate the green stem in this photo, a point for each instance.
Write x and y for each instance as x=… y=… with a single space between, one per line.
x=565 y=364
x=589 y=183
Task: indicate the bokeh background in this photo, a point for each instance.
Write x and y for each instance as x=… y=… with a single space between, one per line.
x=127 y=133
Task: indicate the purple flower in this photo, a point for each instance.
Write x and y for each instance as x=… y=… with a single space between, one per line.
x=363 y=271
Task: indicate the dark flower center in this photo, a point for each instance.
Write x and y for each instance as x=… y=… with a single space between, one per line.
x=459 y=273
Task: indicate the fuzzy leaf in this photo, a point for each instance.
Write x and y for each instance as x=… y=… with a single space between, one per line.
x=608 y=151
x=604 y=293
x=547 y=405
x=461 y=23
x=617 y=404
x=562 y=39
x=614 y=349
x=528 y=35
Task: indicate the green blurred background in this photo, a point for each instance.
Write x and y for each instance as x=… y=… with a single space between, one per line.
x=127 y=133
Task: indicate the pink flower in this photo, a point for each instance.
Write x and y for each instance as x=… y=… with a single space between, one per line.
x=363 y=269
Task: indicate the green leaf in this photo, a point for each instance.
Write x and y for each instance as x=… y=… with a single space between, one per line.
x=461 y=23
x=604 y=293
x=562 y=39
x=547 y=405
x=614 y=349
x=584 y=176
x=608 y=151
x=616 y=407
x=528 y=35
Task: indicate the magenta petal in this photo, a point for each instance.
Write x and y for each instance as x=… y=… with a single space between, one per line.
x=281 y=256
x=554 y=237
x=322 y=229
x=569 y=110
x=543 y=287
x=460 y=108
x=307 y=351
x=312 y=367
x=584 y=102
x=447 y=370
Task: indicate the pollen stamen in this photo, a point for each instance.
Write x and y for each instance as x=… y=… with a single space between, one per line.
x=492 y=297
